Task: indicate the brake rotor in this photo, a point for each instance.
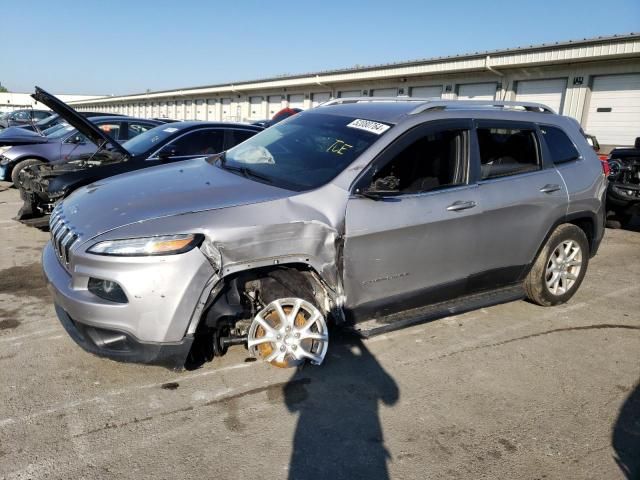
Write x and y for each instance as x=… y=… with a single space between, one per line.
x=287 y=332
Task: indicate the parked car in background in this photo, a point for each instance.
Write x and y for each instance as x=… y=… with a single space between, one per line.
x=23 y=136
x=63 y=141
x=277 y=117
x=23 y=117
x=50 y=121
x=623 y=193
x=373 y=215
x=41 y=185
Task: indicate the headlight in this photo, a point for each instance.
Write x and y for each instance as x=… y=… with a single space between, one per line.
x=4 y=149
x=147 y=246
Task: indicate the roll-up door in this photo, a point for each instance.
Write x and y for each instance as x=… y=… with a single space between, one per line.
x=318 y=98
x=434 y=91
x=548 y=92
x=614 y=109
x=477 y=91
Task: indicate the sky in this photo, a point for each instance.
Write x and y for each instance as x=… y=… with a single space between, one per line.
x=119 y=47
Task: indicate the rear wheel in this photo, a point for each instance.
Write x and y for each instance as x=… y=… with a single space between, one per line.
x=289 y=331
x=560 y=267
x=18 y=167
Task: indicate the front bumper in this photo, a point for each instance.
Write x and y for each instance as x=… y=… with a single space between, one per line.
x=123 y=347
x=163 y=294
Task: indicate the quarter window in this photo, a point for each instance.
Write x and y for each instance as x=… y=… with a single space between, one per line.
x=560 y=146
x=507 y=151
x=436 y=160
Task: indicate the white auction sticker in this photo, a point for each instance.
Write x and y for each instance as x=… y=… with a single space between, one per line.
x=170 y=130
x=369 y=126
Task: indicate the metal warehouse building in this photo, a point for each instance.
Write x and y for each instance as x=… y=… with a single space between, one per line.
x=596 y=80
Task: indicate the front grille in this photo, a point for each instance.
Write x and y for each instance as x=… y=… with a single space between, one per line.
x=62 y=235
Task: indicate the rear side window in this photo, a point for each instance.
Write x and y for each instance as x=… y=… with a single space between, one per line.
x=560 y=146
x=200 y=142
x=239 y=136
x=507 y=151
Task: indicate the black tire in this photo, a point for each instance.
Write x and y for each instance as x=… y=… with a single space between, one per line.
x=535 y=284
x=18 y=167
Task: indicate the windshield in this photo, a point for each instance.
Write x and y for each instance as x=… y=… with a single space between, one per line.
x=149 y=139
x=304 y=151
x=58 y=131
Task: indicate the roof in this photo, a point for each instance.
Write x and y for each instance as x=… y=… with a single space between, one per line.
x=471 y=60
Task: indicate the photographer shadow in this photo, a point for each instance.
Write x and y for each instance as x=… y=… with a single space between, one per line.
x=339 y=434
x=626 y=436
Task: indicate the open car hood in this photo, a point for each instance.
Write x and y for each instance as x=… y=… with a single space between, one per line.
x=72 y=117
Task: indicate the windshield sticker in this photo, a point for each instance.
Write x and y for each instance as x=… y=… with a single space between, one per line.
x=170 y=130
x=369 y=126
x=339 y=147
x=69 y=128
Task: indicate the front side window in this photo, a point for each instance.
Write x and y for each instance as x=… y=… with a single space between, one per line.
x=436 y=160
x=304 y=151
x=560 y=146
x=507 y=151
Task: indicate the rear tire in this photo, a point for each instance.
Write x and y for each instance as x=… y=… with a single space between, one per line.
x=18 y=167
x=559 y=268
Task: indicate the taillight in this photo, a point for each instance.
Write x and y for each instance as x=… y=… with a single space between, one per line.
x=606 y=168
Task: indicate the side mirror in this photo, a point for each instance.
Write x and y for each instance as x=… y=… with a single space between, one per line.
x=382 y=187
x=167 y=152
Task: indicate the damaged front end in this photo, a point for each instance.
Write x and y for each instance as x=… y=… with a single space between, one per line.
x=624 y=181
x=43 y=186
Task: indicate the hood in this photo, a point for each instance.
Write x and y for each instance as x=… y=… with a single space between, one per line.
x=74 y=118
x=20 y=136
x=18 y=131
x=162 y=191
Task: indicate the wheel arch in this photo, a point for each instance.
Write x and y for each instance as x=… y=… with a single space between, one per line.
x=584 y=220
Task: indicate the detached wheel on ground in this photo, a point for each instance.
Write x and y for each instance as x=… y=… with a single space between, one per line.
x=287 y=332
x=18 y=167
x=560 y=267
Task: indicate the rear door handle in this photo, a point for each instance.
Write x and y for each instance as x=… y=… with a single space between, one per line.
x=461 y=205
x=550 y=188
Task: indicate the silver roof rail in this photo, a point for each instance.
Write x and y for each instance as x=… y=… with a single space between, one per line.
x=341 y=101
x=461 y=104
x=439 y=104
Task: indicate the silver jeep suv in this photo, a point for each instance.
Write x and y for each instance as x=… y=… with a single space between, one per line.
x=364 y=213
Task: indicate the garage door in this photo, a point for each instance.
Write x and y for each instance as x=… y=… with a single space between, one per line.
x=384 y=92
x=180 y=110
x=477 y=91
x=296 y=101
x=318 y=98
x=211 y=109
x=255 y=108
x=349 y=93
x=164 y=112
x=275 y=105
x=226 y=109
x=427 y=92
x=201 y=110
x=549 y=92
x=614 y=109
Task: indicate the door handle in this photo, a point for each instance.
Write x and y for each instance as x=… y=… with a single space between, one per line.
x=461 y=205
x=550 y=188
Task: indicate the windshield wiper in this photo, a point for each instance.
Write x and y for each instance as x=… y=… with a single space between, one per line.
x=245 y=172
